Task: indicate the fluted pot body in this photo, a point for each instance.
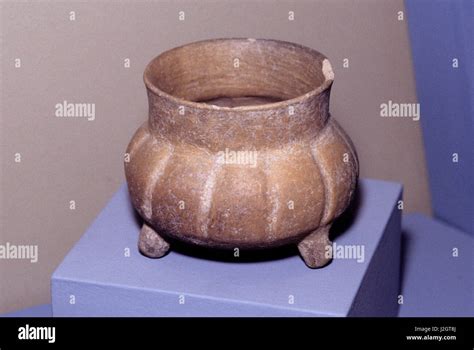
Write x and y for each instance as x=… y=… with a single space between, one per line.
x=240 y=150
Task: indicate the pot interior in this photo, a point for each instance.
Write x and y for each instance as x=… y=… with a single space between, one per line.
x=237 y=72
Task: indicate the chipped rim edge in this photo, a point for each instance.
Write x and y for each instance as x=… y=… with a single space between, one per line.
x=326 y=70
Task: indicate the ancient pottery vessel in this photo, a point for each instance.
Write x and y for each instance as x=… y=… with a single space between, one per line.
x=240 y=150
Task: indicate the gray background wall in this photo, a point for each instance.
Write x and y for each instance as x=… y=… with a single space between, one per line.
x=64 y=159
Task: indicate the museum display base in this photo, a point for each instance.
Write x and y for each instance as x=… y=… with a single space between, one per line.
x=105 y=275
x=430 y=286
x=43 y=310
x=437 y=269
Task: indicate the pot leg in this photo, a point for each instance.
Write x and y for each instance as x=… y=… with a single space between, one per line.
x=313 y=248
x=151 y=244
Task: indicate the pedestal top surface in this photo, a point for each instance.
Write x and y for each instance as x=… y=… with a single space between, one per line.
x=101 y=257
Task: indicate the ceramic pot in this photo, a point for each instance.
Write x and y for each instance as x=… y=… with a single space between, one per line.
x=239 y=150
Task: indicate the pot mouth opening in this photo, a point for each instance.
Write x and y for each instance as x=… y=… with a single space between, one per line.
x=239 y=74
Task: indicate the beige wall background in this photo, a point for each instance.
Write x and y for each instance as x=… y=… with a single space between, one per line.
x=64 y=159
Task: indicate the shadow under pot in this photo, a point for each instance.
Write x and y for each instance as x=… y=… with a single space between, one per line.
x=239 y=150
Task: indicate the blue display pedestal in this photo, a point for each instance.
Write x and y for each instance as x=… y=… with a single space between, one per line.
x=104 y=274
x=35 y=311
x=437 y=269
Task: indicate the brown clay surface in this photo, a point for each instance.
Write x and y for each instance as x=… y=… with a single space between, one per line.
x=268 y=99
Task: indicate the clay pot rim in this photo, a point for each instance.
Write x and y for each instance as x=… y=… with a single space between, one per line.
x=326 y=70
